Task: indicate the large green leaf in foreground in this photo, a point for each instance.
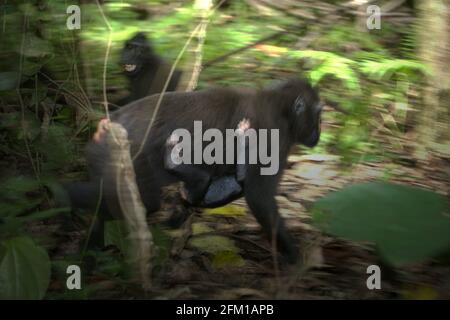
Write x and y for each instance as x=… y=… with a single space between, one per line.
x=24 y=269
x=407 y=224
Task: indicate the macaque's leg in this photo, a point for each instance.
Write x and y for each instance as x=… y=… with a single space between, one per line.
x=260 y=196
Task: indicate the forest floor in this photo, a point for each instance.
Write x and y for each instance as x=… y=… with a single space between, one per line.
x=222 y=254
x=332 y=268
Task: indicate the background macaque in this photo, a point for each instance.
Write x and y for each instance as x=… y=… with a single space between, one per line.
x=145 y=70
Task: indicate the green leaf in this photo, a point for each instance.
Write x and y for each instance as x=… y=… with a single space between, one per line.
x=116 y=234
x=35 y=47
x=384 y=69
x=227 y=259
x=213 y=244
x=223 y=251
x=227 y=210
x=199 y=228
x=24 y=269
x=407 y=224
x=13 y=196
x=57 y=152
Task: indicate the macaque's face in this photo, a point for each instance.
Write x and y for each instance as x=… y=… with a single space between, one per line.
x=134 y=53
x=309 y=117
x=307 y=110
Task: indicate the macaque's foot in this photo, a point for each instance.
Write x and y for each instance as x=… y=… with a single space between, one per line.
x=102 y=127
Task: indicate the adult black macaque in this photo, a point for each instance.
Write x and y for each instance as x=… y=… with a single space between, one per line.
x=292 y=107
x=145 y=70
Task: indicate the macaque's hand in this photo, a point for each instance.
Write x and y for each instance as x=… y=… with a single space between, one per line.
x=102 y=127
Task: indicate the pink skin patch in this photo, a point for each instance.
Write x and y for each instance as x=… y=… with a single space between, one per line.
x=102 y=127
x=243 y=125
x=173 y=139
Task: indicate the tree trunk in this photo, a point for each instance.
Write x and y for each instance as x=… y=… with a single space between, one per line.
x=434 y=41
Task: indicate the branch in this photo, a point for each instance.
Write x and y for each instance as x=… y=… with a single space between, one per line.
x=249 y=46
x=130 y=202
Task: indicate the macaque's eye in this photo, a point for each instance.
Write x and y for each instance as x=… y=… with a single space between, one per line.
x=299 y=105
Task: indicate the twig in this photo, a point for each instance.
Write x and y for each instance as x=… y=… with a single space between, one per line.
x=205 y=14
x=249 y=46
x=105 y=63
x=22 y=106
x=94 y=220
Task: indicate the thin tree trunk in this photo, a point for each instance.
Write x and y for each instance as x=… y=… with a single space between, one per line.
x=435 y=53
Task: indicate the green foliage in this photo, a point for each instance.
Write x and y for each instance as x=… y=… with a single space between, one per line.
x=227 y=259
x=385 y=69
x=20 y=126
x=407 y=224
x=162 y=245
x=24 y=269
x=55 y=149
x=352 y=139
x=24 y=265
x=223 y=251
x=20 y=198
x=374 y=80
x=116 y=234
x=329 y=63
x=343 y=36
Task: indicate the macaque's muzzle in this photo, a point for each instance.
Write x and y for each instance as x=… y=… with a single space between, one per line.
x=313 y=139
x=129 y=67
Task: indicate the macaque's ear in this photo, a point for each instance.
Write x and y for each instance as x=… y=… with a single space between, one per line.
x=299 y=105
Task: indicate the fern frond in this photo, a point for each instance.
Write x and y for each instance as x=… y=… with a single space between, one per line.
x=328 y=63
